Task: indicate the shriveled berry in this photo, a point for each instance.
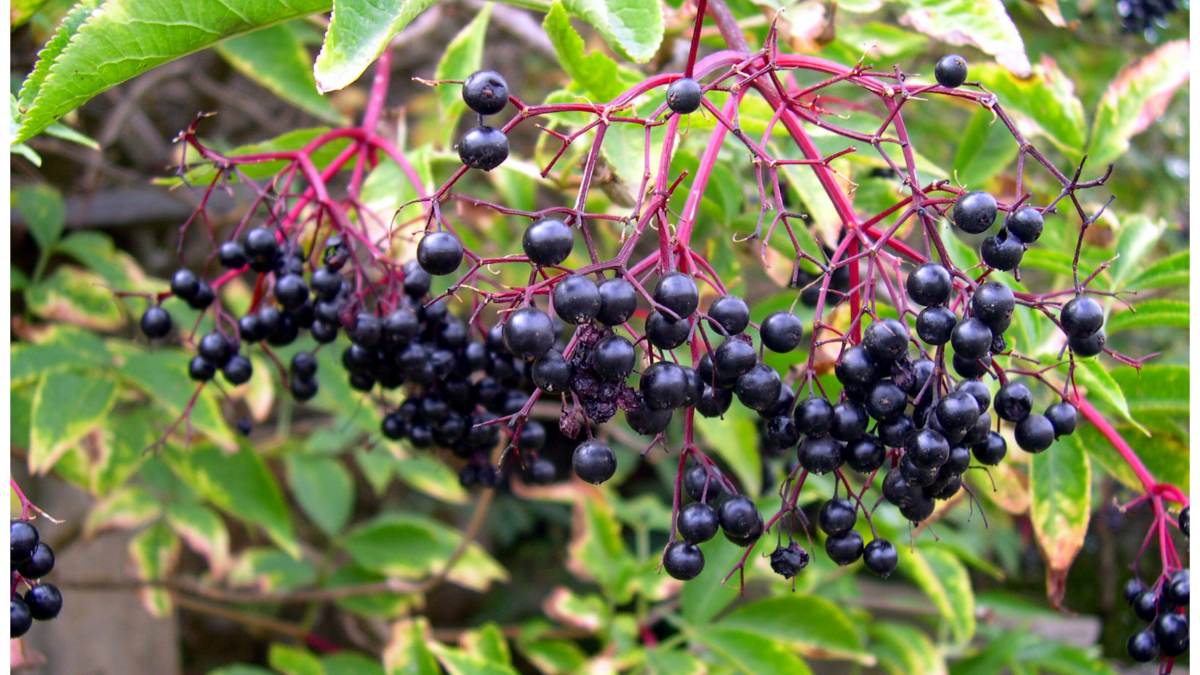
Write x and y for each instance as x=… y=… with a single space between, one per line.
x=788 y=561
x=483 y=148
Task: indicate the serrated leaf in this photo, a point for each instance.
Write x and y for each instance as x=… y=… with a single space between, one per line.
x=358 y=33
x=72 y=295
x=42 y=208
x=88 y=397
x=155 y=552
x=203 y=531
x=239 y=484
x=1060 y=482
x=1171 y=271
x=124 y=38
x=1046 y=98
x=813 y=625
x=595 y=71
x=50 y=52
x=323 y=488
x=944 y=579
x=293 y=661
x=1157 y=313
x=903 y=649
x=462 y=57
x=1136 y=98
x=980 y=23
x=276 y=59
x=632 y=27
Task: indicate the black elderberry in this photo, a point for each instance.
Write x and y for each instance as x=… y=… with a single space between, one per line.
x=663 y=385
x=44 y=601
x=201 y=369
x=326 y=283
x=232 y=255
x=895 y=433
x=439 y=253
x=483 y=148
x=1002 y=251
x=1176 y=591
x=929 y=285
x=978 y=431
x=935 y=325
x=485 y=92
x=1025 y=224
x=758 y=388
x=1080 y=317
x=927 y=448
x=576 y=299
x=678 y=293
x=886 y=401
x=528 y=333
x=185 y=284
x=864 y=455
x=683 y=96
x=291 y=291
x=886 y=340
x=548 y=241
x=788 y=561
x=19 y=618
x=1133 y=588
x=416 y=280
x=156 y=322
x=613 y=357
x=39 y=564
x=814 y=416
x=728 y=315
x=968 y=367
x=849 y=421
x=263 y=248
x=647 y=421
x=215 y=348
x=1145 y=605
x=1184 y=517
x=740 y=520
x=837 y=516
x=359 y=381
x=781 y=331
x=714 y=402
x=237 y=370
x=781 y=432
x=993 y=304
x=819 y=454
x=978 y=390
x=703 y=484
x=618 y=300
x=975 y=212
x=1034 y=433
x=957 y=411
x=541 y=471
x=666 y=333
x=1089 y=346
x=695 y=387
x=845 y=548
x=1142 y=646
x=856 y=368
x=950 y=71
x=302 y=389
x=971 y=339
x=552 y=373
x=880 y=556
x=1013 y=401
x=957 y=461
x=367 y=330
x=1063 y=416
x=697 y=523
x=733 y=358
x=683 y=561
x=23 y=539
x=394 y=426
x=594 y=462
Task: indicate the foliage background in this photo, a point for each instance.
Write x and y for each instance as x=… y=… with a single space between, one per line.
x=221 y=541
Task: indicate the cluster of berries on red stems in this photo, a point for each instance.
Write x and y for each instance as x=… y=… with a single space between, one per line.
x=1145 y=16
x=30 y=560
x=1164 y=608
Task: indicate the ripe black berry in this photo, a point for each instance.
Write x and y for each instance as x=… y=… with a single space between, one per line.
x=728 y=315
x=664 y=385
x=1035 y=433
x=1002 y=251
x=697 y=523
x=237 y=370
x=485 y=92
x=844 y=549
x=185 y=284
x=968 y=367
x=576 y=299
x=837 y=516
x=733 y=358
x=541 y=471
x=416 y=280
x=552 y=373
x=813 y=416
x=1171 y=631
x=232 y=255
x=1063 y=416
x=683 y=561
x=304 y=390
x=528 y=333
x=1081 y=317
x=23 y=539
x=613 y=357
x=1184 y=517
x=927 y=448
x=849 y=421
x=781 y=432
x=263 y=248
x=683 y=96
x=618 y=300
x=856 y=368
x=714 y=401
x=39 y=564
x=215 y=348
x=594 y=462
x=665 y=332
x=647 y=421
x=1133 y=588
x=156 y=322
x=1014 y=401
x=677 y=292
x=895 y=433
x=439 y=253
x=19 y=618
x=291 y=291
x=886 y=401
x=929 y=285
x=864 y=455
x=1089 y=346
x=548 y=241
x=975 y=212
x=788 y=562
x=1142 y=646
x=483 y=148
x=201 y=369
x=971 y=339
x=1025 y=224
x=993 y=304
x=1145 y=605
x=758 y=388
x=886 y=340
x=880 y=557
x=950 y=71
x=935 y=325
x=819 y=454
x=957 y=411
x=781 y=331
x=740 y=520
x=1177 y=590
x=703 y=484
x=44 y=601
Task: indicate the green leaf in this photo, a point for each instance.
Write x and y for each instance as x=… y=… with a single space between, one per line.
x=124 y=38
x=240 y=669
x=487 y=643
x=984 y=149
x=1137 y=237
x=1046 y=98
x=358 y=33
x=462 y=57
x=458 y=662
x=980 y=23
x=705 y=596
x=72 y=295
x=595 y=71
x=944 y=579
x=407 y=652
x=407 y=545
x=98 y=253
x=66 y=133
x=1156 y=313
x=1103 y=389
x=272 y=570
x=20 y=11
x=1135 y=99
x=88 y=397
x=746 y=651
x=559 y=656
x=811 y=624
x=385 y=605
x=1169 y=272
x=155 y=552
x=293 y=661
x=729 y=438
x=239 y=484
x=1060 y=482
x=429 y=475
x=632 y=27
x=127 y=508
x=60 y=348
x=597 y=550
x=42 y=208
x=350 y=663
x=903 y=649
x=323 y=488
x=277 y=60
x=203 y=531
x=1157 y=393
x=50 y=52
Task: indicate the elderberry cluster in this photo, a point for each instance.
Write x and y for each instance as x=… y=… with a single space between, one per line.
x=484 y=147
x=31 y=559
x=1164 y=607
x=1145 y=16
